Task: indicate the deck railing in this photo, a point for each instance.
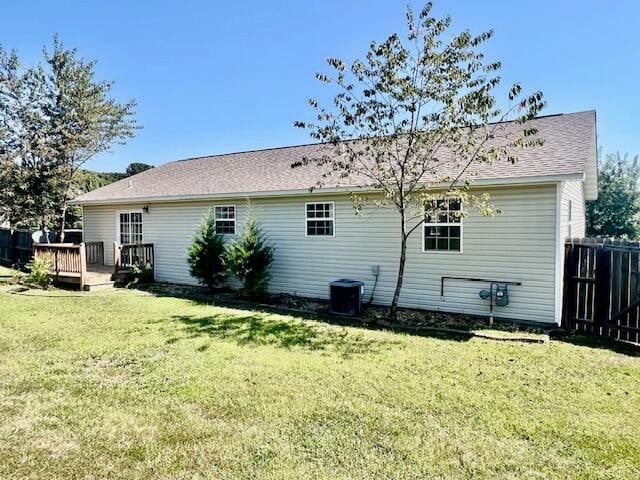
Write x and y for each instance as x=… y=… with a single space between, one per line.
x=68 y=259
x=95 y=253
x=128 y=256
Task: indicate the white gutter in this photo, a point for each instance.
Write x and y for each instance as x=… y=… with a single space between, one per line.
x=512 y=181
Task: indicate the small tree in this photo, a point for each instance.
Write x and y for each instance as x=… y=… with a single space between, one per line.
x=250 y=256
x=412 y=119
x=616 y=212
x=205 y=255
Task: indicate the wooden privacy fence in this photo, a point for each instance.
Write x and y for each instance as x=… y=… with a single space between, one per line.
x=16 y=247
x=602 y=289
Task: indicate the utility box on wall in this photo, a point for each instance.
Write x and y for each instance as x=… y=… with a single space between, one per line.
x=346 y=296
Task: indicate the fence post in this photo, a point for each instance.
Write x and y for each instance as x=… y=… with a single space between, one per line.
x=83 y=264
x=568 y=293
x=116 y=258
x=15 y=253
x=602 y=289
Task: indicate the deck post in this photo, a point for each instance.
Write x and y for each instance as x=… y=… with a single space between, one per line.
x=83 y=265
x=116 y=258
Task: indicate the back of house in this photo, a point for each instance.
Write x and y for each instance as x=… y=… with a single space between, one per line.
x=318 y=237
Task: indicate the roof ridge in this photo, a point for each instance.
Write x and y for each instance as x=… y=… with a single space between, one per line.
x=248 y=151
x=285 y=147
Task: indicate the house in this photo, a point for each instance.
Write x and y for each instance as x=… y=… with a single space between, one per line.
x=318 y=238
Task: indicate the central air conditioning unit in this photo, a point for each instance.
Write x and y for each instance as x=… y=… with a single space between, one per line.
x=346 y=296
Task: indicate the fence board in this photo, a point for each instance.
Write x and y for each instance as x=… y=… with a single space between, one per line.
x=16 y=247
x=602 y=288
x=634 y=294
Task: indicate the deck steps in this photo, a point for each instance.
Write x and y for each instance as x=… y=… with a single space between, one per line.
x=98 y=279
x=98 y=286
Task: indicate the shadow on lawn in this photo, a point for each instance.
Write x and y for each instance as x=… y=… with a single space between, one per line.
x=289 y=333
x=592 y=341
x=257 y=329
x=263 y=329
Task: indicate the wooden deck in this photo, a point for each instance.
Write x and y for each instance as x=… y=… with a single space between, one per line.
x=98 y=277
x=83 y=264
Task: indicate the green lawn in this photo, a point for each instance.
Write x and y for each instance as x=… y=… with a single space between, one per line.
x=6 y=272
x=125 y=385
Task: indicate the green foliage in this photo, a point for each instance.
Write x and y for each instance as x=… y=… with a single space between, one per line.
x=250 y=256
x=137 y=167
x=56 y=116
x=142 y=275
x=206 y=252
x=85 y=181
x=616 y=212
x=40 y=271
x=408 y=105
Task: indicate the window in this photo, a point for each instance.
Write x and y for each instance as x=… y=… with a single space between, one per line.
x=130 y=227
x=442 y=231
x=225 y=219
x=320 y=219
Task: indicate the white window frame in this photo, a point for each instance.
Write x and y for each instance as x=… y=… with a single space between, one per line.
x=332 y=218
x=129 y=211
x=234 y=219
x=447 y=224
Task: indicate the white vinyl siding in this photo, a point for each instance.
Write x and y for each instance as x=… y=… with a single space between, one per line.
x=519 y=245
x=572 y=195
x=99 y=224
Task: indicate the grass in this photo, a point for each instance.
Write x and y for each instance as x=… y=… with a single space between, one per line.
x=119 y=384
x=7 y=272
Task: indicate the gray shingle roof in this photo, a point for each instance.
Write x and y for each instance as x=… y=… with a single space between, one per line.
x=569 y=149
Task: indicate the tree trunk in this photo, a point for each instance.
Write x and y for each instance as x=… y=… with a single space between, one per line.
x=393 y=310
x=63 y=221
x=44 y=229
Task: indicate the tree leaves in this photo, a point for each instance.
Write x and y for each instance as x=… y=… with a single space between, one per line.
x=205 y=255
x=54 y=117
x=616 y=212
x=250 y=256
x=416 y=116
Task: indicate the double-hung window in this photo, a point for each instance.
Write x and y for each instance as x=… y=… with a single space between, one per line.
x=442 y=230
x=320 y=219
x=225 y=216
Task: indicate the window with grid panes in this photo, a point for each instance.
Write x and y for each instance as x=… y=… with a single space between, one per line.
x=130 y=228
x=443 y=227
x=320 y=219
x=225 y=219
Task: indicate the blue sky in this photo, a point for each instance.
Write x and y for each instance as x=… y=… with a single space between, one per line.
x=213 y=77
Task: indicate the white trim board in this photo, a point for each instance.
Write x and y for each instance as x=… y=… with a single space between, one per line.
x=559 y=255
